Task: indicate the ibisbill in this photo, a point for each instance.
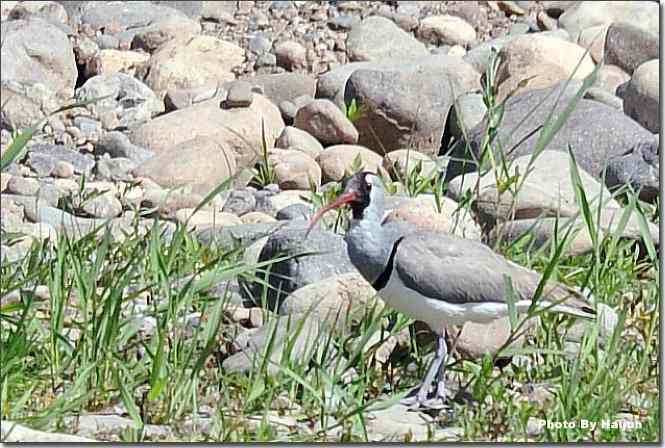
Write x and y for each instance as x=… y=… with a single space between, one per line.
x=437 y=278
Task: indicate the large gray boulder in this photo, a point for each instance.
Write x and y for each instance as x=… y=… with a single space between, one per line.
x=594 y=131
x=407 y=105
x=628 y=46
x=320 y=256
x=36 y=51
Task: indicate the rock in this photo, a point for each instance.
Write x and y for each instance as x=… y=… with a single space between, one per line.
x=128 y=20
x=151 y=37
x=274 y=202
x=299 y=140
x=256 y=218
x=323 y=120
x=471 y=12
x=201 y=163
x=291 y=55
x=593 y=39
x=448 y=30
x=205 y=218
x=24 y=104
x=116 y=61
x=294 y=211
x=239 y=94
x=401 y=162
x=416 y=117
x=295 y=169
x=609 y=77
x=284 y=86
x=628 y=46
x=14 y=433
x=377 y=39
x=479 y=56
x=425 y=213
x=237 y=130
x=468 y=110
x=477 y=340
x=292 y=338
x=245 y=235
x=168 y=202
x=345 y=298
x=193 y=62
x=116 y=144
x=398 y=423
x=605 y=97
x=326 y=257
x=36 y=51
x=337 y=162
x=594 y=142
x=130 y=101
x=639 y=168
x=48 y=10
x=103 y=206
x=176 y=99
x=42 y=158
x=546 y=191
x=22 y=186
x=239 y=202
x=641 y=99
x=583 y=15
x=63 y=169
x=117 y=169
x=547 y=58
x=547 y=194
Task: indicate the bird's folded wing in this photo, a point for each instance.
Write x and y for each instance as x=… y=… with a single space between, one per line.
x=460 y=271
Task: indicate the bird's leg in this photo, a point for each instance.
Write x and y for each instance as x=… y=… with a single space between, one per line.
x=442 y=350
x=433 y=372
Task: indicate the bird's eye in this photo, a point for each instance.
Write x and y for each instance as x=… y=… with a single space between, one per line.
x=369 y=187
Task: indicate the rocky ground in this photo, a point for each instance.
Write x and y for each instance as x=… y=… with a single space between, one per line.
x=278 y=101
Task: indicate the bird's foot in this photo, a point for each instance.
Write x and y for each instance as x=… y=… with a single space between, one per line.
x=421 y=399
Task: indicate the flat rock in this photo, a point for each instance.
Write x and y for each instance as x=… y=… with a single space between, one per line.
x=37 y=51
x=326 y=122
x=641 y=98
x=468 y=110
x=237 y=129
x=378 y=39
x=201 y=163
x=338 y=161
x=594 y=142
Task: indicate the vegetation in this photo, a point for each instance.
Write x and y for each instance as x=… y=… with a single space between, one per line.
x=95 y=322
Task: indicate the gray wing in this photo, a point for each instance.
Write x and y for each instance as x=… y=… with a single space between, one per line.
x=447 y=268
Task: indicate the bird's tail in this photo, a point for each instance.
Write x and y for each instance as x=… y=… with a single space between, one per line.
x=571 y=301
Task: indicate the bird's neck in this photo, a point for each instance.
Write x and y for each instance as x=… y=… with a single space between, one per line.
x=367 y=246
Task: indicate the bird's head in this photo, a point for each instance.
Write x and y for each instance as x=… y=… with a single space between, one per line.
x=363 y=192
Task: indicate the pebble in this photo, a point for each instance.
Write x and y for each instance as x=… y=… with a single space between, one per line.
x=63 y=170
x=239 y=94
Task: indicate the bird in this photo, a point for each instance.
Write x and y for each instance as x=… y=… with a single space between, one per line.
x=437 y=278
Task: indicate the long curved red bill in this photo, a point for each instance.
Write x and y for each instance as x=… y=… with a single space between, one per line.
x=341 y=200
